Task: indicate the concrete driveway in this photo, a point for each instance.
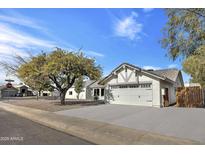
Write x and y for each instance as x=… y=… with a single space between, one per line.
x=187 y=123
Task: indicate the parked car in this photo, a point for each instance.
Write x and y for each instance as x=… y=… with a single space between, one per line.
x=19 y=95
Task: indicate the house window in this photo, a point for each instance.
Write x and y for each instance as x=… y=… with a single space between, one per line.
x=123 y=86
x=102 y=92
x=133 y=86
x=96 y=92
x=70 y=93
x=114 y=87
x=147 y=85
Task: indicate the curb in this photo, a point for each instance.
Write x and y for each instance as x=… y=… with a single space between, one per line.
x=93 y=131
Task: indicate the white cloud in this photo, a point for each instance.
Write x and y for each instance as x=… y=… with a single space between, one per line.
x=4 y=76
x=17 y=42
x=8 y=34
x=13 y=17
x=146 y=10
x=94 y=53
x=20 y=20
x=13 y=41
x=9 y=50
x=134 y=14
x=151 y=67
x=128 y=27
x=87 y=52
x=172 y=66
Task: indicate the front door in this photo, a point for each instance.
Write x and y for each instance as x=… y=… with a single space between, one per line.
x=166 y=97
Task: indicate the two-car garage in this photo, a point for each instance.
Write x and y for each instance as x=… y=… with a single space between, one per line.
x=131 y=94
x=130 y=85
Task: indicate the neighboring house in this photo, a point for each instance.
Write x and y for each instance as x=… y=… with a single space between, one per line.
x=8 y=92
x=45 y=93
x=23 y=90
x=49 y=93
x=85 y=94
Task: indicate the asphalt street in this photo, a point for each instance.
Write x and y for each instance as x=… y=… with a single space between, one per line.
x=18 y=130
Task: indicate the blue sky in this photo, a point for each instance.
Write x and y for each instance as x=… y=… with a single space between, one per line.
x=111 y=36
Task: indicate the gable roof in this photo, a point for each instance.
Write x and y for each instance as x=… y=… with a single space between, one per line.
x=169 y=76
x=4 y=87
x=96 y=85
x=20 y=85
x=88 y=82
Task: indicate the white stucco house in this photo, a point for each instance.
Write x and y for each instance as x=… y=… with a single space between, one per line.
x=85 y=94
x=130 y=85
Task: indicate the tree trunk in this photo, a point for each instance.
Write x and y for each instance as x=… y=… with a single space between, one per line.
x=62 y=97
x=78 y=96
x=39 y=93
x=37 y=97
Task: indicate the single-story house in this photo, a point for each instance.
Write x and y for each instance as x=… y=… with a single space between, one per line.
x=8 y=91
x=45 y=93
x=85 y=94
x=12 y=90
x=130 y=85
x=98 y=91
x=24 y=90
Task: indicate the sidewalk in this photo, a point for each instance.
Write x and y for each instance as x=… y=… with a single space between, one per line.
x=93 y=131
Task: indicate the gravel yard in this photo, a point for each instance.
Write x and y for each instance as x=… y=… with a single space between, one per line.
x=48 y=105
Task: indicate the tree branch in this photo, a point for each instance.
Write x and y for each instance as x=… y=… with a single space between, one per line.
x=54 y=87
x=70 y=83
x=53 y=78
x=195 y=12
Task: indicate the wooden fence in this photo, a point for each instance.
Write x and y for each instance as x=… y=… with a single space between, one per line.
x=189 y=97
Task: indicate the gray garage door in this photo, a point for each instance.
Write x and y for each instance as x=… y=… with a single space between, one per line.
x=9 y=93
x=131 y=94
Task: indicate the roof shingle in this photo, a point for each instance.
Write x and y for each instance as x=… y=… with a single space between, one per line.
x=168 y=73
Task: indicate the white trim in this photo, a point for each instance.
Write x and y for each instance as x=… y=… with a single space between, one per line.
x=138 y=69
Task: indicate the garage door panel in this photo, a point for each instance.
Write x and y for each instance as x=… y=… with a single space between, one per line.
x=132 y=96
x=127 y=91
